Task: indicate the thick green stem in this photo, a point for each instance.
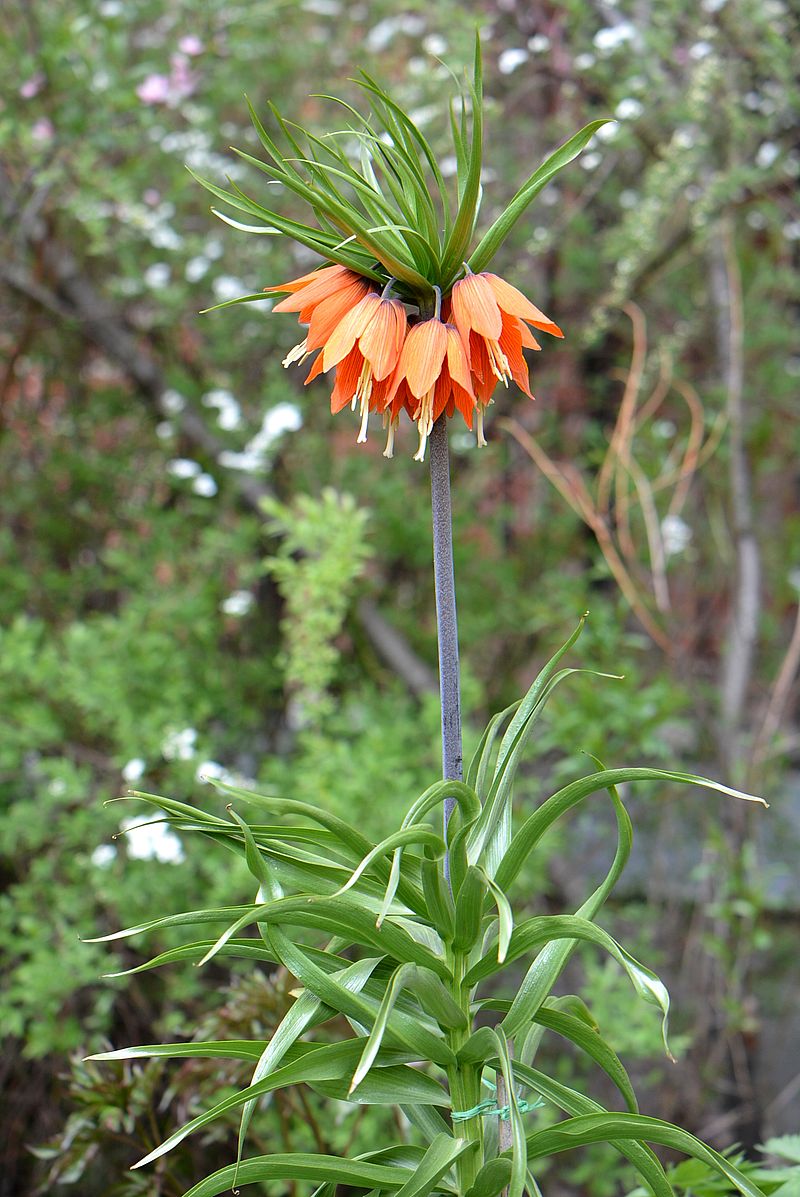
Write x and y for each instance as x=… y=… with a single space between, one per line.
x=464 y=1082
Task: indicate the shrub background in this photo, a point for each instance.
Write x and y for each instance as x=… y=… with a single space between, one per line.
x=157 y=621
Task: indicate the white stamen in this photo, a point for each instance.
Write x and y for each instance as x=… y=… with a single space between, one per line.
x=389 y=450
x=424 y=417
x=298 y=354
x=362 y=434
x=479 y=428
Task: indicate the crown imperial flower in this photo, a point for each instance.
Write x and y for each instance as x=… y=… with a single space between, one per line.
x=390 y=227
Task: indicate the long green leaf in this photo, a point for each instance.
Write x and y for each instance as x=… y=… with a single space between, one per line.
x=639 y=1154
x=338 y=916
x=546 y=968
x=519 y=1153
x=535 y=826
x=441 y=1154
x=303 y=1166
x=403 y=1028
x=494 y=237
x=461 y=233
x=227 y=1049
x=605 y=1127
x=545 y=928
x=328 y=1062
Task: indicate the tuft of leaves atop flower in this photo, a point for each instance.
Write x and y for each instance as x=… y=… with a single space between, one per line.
x=381 y=205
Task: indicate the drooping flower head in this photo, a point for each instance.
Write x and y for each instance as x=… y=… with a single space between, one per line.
x=398 y=260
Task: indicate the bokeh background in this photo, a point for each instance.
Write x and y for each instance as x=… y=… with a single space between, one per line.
x=200 y=572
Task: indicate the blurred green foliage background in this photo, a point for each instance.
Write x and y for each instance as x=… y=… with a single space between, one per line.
x=200 y=572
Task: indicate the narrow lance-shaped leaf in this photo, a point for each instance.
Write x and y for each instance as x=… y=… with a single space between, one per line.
x=639 y=1154
x=440 y=1156
x=496 y=235
x=519 y=1153
x=545 y=928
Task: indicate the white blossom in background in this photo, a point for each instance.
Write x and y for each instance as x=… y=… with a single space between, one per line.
x=538 y=43
x=205 y=486
x=238 y=603
x=613 y=36
x=196 y=268
x=283 y=418
x=793 y=578
x=179 y=745
x=164 y=430
x=229 y=413
x=322 y=8
x=766 y=154
x=133 y=770
x=509 y=60
x=151 y=841
x=700 y=50
x=157 y=276
x=103 y=856
x=591 y=161
x=628 y=109
x=172 y=402
x=208 y=771
x=183 y=467
x=584 y=62
x=791 y=231
x=379 y=37
x=434 y=44
x=676 y=535
x=227 y=286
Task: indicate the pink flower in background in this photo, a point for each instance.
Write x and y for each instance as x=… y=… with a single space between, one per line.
x=154 y=90
x=31 y=87
x=191 y=45
x=152 y=197
x=43 y=130
x=182 y=80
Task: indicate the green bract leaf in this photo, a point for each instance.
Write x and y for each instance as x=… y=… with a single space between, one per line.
x=496 y=235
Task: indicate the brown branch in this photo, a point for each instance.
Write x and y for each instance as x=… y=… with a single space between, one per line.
x=742 y=632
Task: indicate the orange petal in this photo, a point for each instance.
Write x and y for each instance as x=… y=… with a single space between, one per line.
x=379 y=397
x=528 y=339
x=465 y=403
x=511 y=346
x=347 y=376
x=323 y=317
x=457 y=362
x=296 y=284
x=422 y=355
x=349 y=329
x=315 y=370
x=314 y=292
x=516 y=304
x=382 y=340
x=475 y=307
x=402 y=400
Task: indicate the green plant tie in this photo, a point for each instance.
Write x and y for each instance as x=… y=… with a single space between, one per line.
x=490 y=1109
